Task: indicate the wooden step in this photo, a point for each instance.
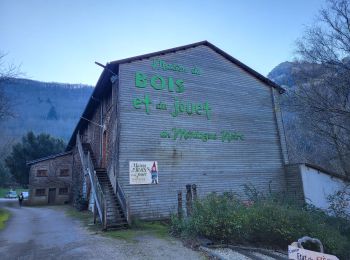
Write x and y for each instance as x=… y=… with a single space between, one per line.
x=115 y=216
x=117 y=223
x=117 y=227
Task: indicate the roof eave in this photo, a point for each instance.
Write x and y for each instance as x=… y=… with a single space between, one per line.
x=53 y=156
x=110 y=66
x=85 y=114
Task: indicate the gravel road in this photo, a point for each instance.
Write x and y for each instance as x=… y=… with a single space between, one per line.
x=47 y=233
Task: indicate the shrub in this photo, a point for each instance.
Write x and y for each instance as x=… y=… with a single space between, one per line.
x=4 y=216
x=339 y=203
x=81 y=203
x=269 y=221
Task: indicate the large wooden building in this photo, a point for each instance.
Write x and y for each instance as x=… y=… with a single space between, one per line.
x=188 y=115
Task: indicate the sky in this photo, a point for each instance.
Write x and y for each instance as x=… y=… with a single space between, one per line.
x=59 y=41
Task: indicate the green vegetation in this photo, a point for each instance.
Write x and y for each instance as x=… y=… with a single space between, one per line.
x=86 y=217
x=267 y=221
x=138 y=228
x=33 y=101
x=127 y=234
x=3 y=191
x=4 y=216
x=30 y=148
x=5 y=176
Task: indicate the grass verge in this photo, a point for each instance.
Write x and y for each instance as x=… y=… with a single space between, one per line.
x=85 y=217
x=139 y=228
x=3 y=191
x=4 y=216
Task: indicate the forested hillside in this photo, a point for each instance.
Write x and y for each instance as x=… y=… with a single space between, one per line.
x=52 y=108
x=55 y=108
x=304 y=144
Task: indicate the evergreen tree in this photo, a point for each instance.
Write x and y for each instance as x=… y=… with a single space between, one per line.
x=52 y=115
x=5 y=176
x=32 y=147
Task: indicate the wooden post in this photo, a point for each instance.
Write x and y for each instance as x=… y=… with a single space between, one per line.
x=128 y=217
x=95 y=211
x=188 y=200
x=179 y=204
x=104 y=216
x=194 y=191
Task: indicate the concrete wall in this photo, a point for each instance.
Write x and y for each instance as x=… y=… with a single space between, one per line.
x=317 y=185
x=53 y=180
x=239 y=102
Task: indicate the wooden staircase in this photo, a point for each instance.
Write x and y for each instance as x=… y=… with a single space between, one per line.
x=115 y=217
x=87 y=148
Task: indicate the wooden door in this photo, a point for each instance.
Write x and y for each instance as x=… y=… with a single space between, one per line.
x=52 y=195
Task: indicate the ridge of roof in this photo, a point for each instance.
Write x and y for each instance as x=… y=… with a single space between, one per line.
x=213 y=47
x=113 y=64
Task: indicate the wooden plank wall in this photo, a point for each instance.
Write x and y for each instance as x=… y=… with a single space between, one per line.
x=294 y=181
x=239 y=102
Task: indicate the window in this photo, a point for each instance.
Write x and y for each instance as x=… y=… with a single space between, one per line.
x=63 y=191
x=64 y=172
x=41 y=173
x=40 y=192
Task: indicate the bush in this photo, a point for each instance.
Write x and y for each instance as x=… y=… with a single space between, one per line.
x=339 y=203
x=81 y=203
x=269 y=221
x=4 y=216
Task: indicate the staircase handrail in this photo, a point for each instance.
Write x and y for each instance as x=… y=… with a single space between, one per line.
x=81 y=151
x=123 y=202
x=99 y=196
x=88 y=169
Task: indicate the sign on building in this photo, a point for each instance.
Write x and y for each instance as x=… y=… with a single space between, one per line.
x=303 y=254
x=143 y=172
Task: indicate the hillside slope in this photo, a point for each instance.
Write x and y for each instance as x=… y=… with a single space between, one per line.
x=304 y=145
x=52 y=108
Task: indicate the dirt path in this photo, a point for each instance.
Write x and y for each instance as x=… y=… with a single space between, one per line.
x=47 y=233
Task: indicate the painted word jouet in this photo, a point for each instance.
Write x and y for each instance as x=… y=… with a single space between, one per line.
x=156 y=123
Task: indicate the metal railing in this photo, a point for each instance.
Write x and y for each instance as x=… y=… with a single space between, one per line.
x=123 y=202
x=99 y=196
x=81 y=151
x=88 y=168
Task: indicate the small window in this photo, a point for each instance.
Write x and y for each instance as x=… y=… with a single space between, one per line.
x=64 y=172
x=40 y=192
x=41 y=173
x=63 y=191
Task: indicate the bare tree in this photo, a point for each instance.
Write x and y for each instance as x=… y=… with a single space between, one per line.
x=7 y=73
x=322 y=96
